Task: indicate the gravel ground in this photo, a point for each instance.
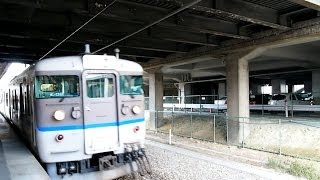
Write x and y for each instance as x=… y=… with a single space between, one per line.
x=174 y=163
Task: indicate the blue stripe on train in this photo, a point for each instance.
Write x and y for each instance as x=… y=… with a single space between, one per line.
x=88 y=126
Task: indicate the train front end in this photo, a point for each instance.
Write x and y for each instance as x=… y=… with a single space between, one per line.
x=100 y=128
x=113 y=109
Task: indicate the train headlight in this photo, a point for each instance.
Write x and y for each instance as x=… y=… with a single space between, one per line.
x=125 y=110
x=136 y=109
x=59 y=115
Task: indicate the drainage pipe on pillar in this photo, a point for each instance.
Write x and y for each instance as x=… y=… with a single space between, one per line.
x=151 y=24
x=286 y=108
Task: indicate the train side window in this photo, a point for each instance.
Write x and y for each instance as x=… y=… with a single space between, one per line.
x=21 y=99
x=7 y=99
x=13 y=100
x=25 y=104
x=28 y=100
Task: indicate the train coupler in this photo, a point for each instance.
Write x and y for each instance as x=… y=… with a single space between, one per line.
x=107 y=162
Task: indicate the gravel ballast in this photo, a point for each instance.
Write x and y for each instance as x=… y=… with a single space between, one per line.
x=174 y=163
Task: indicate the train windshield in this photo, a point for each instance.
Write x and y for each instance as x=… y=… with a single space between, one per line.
x=131 y=85
x=57 y=86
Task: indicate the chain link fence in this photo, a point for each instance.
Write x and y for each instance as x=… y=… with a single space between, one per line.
x=298 y=137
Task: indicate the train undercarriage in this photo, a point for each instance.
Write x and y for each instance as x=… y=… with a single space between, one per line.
x=106 y=165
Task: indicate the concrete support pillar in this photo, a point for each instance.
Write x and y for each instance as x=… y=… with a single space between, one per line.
x=181 y=93
x=221 y=89
x=187 y=93
x=238 y=99
x=278 y=86
x=256 y=88
x=316 y=86
x=290 y=88
x=155 y=99
x=187 y=89
x=146 y=90
x=308 y=86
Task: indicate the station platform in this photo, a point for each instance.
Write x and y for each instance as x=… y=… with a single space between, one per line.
x=16 y=161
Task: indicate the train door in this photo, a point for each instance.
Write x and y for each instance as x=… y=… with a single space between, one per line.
x=100 y=111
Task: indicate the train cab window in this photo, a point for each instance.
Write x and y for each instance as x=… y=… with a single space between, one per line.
x=56 y=86
x=131 y=85
x=99 y=85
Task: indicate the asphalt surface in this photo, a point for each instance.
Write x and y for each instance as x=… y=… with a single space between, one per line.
x=4 y=171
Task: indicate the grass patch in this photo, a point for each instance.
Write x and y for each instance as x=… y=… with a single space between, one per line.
x=277 y=164
x=294 y=168
x=301 y=170
x=306 y=152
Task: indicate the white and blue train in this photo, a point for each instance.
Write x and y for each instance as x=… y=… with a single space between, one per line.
x=81 y=115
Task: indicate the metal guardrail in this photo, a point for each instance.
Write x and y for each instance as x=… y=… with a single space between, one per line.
x=252 y=107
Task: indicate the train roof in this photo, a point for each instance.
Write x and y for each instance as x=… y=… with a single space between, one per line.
x=109 y=62
x=74 y=63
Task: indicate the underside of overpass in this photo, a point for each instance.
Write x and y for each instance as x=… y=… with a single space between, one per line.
x=174 y=40
x=29 y=29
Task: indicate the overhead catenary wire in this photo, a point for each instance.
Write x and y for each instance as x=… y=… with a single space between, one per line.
x=106 y=7
x=151 y=24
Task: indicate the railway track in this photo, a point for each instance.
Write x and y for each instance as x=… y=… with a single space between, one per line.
x=172 y=163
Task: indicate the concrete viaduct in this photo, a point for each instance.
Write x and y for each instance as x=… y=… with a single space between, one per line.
x=175 y=40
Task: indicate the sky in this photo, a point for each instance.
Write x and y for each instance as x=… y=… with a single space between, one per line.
x=14 y=69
